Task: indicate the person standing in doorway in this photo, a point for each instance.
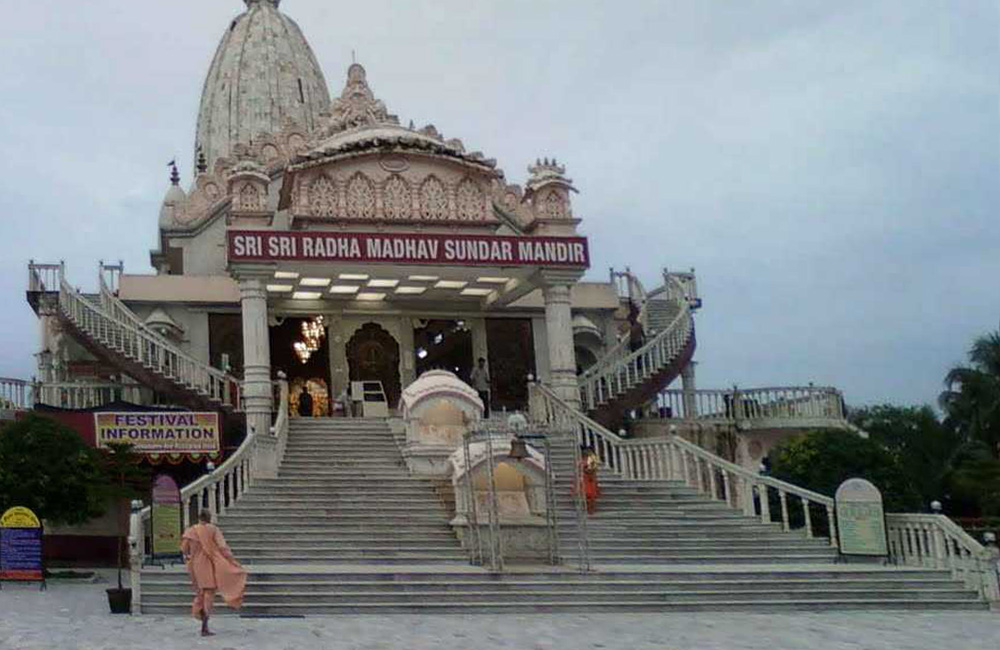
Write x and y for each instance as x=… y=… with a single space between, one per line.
x=213 y=569
x=305 y=403
x=480 y=379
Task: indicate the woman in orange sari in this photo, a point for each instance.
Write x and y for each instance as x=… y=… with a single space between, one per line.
x=588 y=478
x=213 y=569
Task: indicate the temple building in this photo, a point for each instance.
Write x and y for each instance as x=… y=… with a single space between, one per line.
x=364 y=344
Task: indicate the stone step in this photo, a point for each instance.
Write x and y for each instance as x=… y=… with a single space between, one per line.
x=423 y=557
x=375 y=539
x=250 y=548
x=646 y=545
x=341 y=511
x=571 y=605
x=332 y=499
x=255 y=598
x=267 y=519
x=376 y=527
x=313 y=585
x=691 y=573
x=723 y=556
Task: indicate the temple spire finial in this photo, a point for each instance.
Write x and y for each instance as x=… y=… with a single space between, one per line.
x=251 y=3
x=175 y=176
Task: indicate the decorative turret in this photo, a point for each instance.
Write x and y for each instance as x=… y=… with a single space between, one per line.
x=357 y=105
x=248 y=186
x=548 y=191
x=174 y=199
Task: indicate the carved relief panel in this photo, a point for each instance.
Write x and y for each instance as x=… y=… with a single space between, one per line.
x=397 y=193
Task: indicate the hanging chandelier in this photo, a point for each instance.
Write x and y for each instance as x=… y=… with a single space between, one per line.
x=313 y=332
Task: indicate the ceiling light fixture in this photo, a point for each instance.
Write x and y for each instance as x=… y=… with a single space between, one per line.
x=279 y=288
x=307 y=295
x=425 y=278
x=450 y=284
x=473 y=291
x=345 y=289
x=492 y=280
x=353 y=276
x=383 y=284
x=314 y=282
x=370 y=296
x=411 y=291
x=285 y=275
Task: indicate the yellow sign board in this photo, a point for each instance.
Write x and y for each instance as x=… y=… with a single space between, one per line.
x=160 y=433
x=19 y=517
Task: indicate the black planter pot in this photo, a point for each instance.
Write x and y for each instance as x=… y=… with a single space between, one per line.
x=120 y=600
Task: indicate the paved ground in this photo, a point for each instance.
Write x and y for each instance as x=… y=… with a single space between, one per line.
x=74 y=617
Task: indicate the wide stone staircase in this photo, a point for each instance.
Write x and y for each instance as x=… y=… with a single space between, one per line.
x=343 y=496
x=344 y=529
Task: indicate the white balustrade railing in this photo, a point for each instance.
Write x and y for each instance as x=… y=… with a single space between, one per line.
x=674 y=459
x=45 y=277
x=17 y=394
x=82 y=395
x=735 y=405
x=216 y=492
x=620 y=369
x=937 y=542
x=121 y=331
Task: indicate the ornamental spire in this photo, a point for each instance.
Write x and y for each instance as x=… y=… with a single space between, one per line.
x=251 y=3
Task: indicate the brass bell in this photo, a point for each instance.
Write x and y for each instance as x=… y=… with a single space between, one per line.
x=518 y=448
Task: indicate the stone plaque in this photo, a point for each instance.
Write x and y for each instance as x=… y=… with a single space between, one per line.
x=166 y=518
x=861 y=519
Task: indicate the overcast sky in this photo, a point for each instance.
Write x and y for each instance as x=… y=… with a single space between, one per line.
x=831 y=169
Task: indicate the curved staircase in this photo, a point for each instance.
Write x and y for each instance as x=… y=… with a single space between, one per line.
x=623 y=380
x=111 y=332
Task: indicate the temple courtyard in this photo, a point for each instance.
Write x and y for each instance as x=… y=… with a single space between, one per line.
x=72 y=616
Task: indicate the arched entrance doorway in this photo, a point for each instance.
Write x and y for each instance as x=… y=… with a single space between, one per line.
x=373 y=355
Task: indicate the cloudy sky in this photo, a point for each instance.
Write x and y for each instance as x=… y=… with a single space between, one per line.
x=829 y=168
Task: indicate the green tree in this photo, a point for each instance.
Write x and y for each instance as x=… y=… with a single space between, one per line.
x=822 y=460
x=971 y=399
x=47 y=467
x=973 y=482
x=921 y=444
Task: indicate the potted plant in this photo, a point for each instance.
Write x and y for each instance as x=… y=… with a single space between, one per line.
x=125 y=480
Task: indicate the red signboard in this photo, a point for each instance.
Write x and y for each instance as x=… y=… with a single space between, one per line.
x=437 y=249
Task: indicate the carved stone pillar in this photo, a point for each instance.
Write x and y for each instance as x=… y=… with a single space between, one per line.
x=256 y=353
x=559 y=332
x=688 y=387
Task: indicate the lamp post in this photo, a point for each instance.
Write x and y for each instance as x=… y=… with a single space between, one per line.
x=936 y=507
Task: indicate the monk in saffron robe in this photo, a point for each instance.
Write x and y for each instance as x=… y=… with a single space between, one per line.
x=213 y=569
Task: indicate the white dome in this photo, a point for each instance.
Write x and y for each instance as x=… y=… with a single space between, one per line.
x=264 y=74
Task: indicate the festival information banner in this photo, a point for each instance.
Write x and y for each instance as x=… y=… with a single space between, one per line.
x=20 y=546
x=166 y=518
x=411 y=248
x=861 y=519
x=160 y=433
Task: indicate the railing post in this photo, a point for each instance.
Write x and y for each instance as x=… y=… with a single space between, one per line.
x=783 y=498
x=832 y=519
x=808 y=518
x=765 y=505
